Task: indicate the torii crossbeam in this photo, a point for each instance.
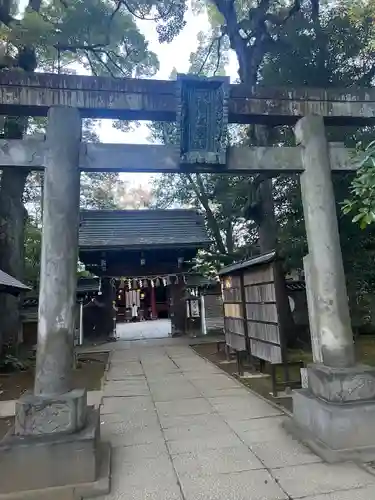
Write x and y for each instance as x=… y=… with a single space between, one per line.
x=32 y=94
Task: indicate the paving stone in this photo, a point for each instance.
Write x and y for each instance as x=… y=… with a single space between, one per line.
x=157 y=371
x=136 y=420
x=262 y=432
x=169 y=367
x=367 y=493
x=256 y=424
x=122 y=357
x=121 y=434
x=173 y=391
x=129 y=387
x=209 y=462
x=189 y=365
x=207 y=419
x=191 y=430
x=126 y=405
x=247 y=412
x=212 y=392
x=218 y=379
x=139 y=452
x=157 y=470
x=145 y=492
x=283 y=453
x=197 y=444
x=121 y=371
x=167 y=378
x=240 y=403
x=247 y=485
x=315 y=479
x=111 y=418
x=183 y=407
x=193 y=370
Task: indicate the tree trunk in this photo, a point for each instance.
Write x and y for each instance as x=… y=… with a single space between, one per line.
x=211 y=221
x=12 y=225
x=267 y=227
x=12 y=211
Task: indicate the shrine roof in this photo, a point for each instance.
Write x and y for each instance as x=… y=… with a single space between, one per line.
x=141 y=229
x=244 y=264
x=8 y=284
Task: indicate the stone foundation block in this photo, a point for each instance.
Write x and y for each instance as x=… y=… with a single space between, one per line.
x=39 y=415
x=336 y=431
x=38 y=462
x=340 y=385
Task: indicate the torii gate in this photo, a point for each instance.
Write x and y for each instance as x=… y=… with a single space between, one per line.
x=335 y=414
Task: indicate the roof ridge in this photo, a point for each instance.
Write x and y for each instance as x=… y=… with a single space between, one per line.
x=132 y=210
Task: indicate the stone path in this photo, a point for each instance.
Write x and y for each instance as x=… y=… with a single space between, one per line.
x=181 y=429
x=157 y=329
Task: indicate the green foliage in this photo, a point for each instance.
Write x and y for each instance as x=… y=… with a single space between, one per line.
x=33 y=240
x=362 y=190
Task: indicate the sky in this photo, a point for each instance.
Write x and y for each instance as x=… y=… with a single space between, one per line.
x=173 y=55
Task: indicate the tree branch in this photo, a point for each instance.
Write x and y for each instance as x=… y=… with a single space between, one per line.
x=144 y=18
x=201 y=194
x=91 y=64
x=100 y=60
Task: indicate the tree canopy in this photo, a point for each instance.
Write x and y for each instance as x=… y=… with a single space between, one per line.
x=288 y=44
x=100 y=37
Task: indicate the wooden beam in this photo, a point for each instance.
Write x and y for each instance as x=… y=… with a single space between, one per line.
x=99 y=157
x=31 y=94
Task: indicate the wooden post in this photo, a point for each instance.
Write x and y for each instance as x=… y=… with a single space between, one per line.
x=154 y=314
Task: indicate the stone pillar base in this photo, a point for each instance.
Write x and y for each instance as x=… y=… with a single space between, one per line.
x=41 y=415
x=335 y=416
x=70 y=462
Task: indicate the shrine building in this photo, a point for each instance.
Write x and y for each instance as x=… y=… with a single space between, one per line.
x=142 y=257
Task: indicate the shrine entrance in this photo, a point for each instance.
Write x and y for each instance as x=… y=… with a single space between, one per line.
x=340 y=395
x=142 y=258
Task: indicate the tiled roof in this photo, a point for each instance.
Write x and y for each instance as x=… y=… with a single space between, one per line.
x=141 y=228
x=8 y=284
x=255 y=261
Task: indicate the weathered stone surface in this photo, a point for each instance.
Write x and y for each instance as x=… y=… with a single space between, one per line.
x=58 y=268
x=283 y=452
x=331 y=307
x=340 y=385
x=133 y=99
x=92 y=489
x=254 y=484
x=29 y=153
x=314 y=479
x=207 y=462
x=39 y=415
x=202 y=118
x=348 y=427
x=36 y=462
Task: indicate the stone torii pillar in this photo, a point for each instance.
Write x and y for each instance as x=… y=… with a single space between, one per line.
x=335 y=415
x=56 y=435
x=319 y=208
x=58 y=272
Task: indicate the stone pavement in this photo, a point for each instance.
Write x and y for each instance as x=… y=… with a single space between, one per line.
x=156 y=329
x=181 y=429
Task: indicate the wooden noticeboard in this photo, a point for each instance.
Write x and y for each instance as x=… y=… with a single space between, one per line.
x=256 y=308
x=234 y=320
